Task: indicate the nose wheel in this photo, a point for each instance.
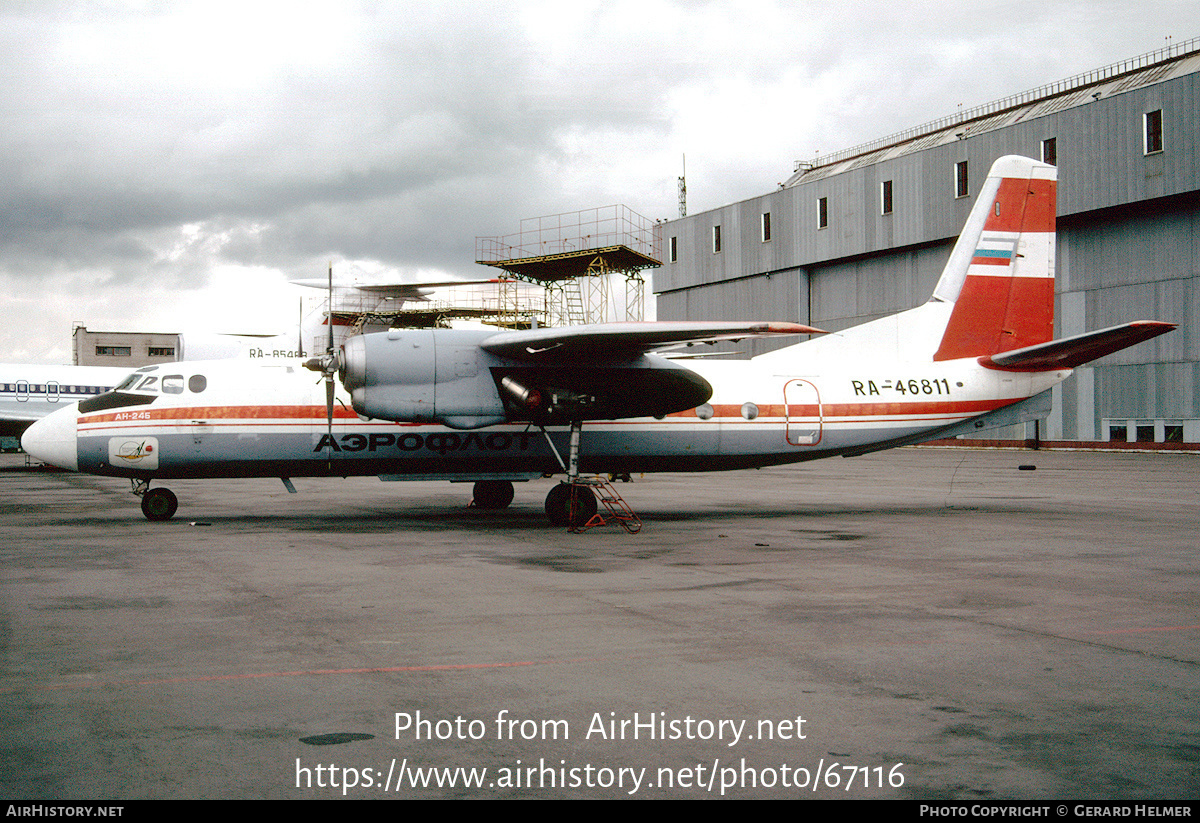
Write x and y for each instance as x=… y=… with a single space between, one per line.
x=157 y=503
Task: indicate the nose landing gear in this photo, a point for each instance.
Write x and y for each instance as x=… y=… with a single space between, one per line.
x=157 y=503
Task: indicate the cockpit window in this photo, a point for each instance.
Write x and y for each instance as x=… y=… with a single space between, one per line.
x=114 y=400
x=172 y=384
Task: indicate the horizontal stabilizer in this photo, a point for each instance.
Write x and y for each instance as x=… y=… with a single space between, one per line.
x=1077 y=350
x=625 y=339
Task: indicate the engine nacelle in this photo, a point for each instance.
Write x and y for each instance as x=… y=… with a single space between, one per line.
x=422 y=376
x=443 y=376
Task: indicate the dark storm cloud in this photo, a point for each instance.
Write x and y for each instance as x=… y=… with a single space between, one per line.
x=369 y=151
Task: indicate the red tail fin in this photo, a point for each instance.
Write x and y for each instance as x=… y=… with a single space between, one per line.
x=1000 y=276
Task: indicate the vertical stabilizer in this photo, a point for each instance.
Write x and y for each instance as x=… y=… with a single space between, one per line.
x=1000 y=276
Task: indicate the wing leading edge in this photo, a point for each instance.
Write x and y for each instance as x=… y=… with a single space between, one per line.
x=622 y=340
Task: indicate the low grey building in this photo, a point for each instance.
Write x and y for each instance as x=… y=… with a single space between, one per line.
x=119 y=348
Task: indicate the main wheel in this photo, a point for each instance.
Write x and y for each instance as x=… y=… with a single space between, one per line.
x=493 y=494
x=159 y=504
x=559 y=506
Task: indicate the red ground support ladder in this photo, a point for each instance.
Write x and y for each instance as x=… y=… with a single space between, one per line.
x=618 y=509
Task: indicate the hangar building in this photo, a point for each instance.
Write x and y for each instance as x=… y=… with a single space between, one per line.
x=865 y=232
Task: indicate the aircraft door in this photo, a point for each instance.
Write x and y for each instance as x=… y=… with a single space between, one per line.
x=802 y=407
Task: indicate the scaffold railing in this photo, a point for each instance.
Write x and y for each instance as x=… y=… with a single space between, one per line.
x=569 y=232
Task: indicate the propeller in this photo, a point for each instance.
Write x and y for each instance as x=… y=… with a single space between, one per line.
x=327 y=366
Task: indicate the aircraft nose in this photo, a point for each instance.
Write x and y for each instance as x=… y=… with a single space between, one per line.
x=52 y=439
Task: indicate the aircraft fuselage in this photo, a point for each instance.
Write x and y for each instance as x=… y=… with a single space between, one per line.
x=253 y=420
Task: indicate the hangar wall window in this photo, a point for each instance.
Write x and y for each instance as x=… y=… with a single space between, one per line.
x=822 y=212
x=1050 y=151
x=960 y=179
x=766 y=227
x=716 y=239
x=885 y=197
x=161 y=351
x=674 y=250
x=113 y=351
x=1154 y=135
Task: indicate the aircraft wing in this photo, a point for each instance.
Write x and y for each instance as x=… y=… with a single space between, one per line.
x=392 y=291
x=411 y=291
x=1078 y=349
x=606 y=340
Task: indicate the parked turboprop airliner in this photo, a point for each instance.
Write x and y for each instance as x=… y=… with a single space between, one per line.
x=501 y=406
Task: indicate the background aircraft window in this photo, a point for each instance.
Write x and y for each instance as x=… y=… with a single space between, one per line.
x=197 y=383
x=173 y=384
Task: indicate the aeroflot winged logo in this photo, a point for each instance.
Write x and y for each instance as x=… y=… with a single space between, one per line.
x=140 y=452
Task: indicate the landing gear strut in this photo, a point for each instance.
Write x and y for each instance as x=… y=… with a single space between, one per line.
x=573 y=504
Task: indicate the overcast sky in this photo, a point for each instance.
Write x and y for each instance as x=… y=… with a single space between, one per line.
x=169 y=166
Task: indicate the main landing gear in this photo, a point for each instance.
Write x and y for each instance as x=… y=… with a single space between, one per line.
x=573 y=503
x=492 y=494
x=157 y=503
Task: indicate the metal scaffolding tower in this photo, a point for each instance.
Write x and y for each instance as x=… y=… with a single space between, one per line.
x=576 y=257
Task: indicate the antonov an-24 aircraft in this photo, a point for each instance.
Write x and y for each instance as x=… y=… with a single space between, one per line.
x=499 y=406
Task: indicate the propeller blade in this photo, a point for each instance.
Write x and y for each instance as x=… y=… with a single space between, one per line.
x=329 y=420
x=329 y=346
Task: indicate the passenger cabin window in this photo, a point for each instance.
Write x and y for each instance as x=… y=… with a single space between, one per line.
x=197 y=383
x=1154 y=134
